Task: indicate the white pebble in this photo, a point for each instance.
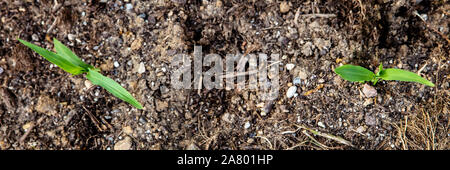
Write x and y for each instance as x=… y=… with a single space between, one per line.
x=1 y=70
x=247 y=125
x=129 y=6
x=290 y=66
x=71 y=37
x=320 y=124
x=141 y=68
x=291 y=91
x=116 y=64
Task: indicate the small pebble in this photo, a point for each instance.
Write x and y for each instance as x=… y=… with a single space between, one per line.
x=129 y=6
x=296 y=81
x=142 y=120
x=1 y=70
x=320 y=124
x=143 y=16
x=361 y=129
x=290 y=66
x=141 y=68
x=369 y=91
x=124 y=144
x=321 y=81
x=95 y=48
x=247 y=125
x=284 y=7
x=424 y=16
x=35 y=37
x=116 y=64
x=291 y=91
x=71 y=37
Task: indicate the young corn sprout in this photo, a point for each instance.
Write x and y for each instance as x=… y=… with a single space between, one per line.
x=360 y=74
x=65 y=59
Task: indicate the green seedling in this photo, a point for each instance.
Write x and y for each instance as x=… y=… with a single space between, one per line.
x=65 y=59
x=360 y=74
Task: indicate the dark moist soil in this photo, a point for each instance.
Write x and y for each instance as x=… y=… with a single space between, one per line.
x=43 y=107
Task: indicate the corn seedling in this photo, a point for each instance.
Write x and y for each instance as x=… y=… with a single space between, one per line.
x=65 y=59
x=360 y=74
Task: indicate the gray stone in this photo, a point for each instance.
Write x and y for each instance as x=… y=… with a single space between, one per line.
x=296 y=81
x=369 y=91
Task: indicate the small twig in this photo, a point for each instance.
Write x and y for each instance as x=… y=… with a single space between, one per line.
x=421 y=69
x=24 y=136
x=318 y=15
x=297 y=145
x=269 y=28
x=94 y=119
x=297 y=14
x=404 y=132
x=53 y=25
x=332 y=137
x=56 y=6
x=110 y=127
x=267 y=140
x=314 y=140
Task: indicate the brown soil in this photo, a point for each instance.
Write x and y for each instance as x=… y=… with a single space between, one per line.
x=42 y=107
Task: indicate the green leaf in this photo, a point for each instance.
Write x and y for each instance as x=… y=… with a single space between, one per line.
x=65 y=52
x=354 y=73
x=380 y=68
x=61 y=62
x=403 y=75
x=113 y=87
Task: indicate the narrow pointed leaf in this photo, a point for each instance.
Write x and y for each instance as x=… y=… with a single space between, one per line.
x=354 y=73
x=55 y=59
x=65 y=52
x=113 y=87
x=403 y=75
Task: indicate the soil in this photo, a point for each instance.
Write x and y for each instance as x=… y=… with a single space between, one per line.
x=133 y=42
